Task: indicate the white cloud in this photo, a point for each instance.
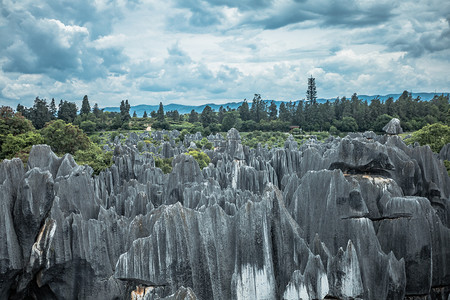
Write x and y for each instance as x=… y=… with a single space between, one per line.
x=216 y=50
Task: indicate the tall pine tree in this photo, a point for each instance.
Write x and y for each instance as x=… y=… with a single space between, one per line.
x=311 y=93
x=85 y=106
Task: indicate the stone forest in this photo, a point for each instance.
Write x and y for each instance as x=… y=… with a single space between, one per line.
x=359 y=217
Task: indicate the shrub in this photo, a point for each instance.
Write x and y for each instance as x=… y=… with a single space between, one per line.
x=165 y=164
x=15 y=144
x=65 y=138
x=435 y=136
x=201 y=157
x=88 y=126
x=93 y=156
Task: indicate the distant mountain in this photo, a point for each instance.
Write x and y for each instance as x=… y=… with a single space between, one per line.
x=185 y=109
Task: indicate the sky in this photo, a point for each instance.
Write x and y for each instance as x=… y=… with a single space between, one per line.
x=217 y=51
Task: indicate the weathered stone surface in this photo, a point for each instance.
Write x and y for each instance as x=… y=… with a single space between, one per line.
x=393 y=127
x=363 y=216
x=444 y=154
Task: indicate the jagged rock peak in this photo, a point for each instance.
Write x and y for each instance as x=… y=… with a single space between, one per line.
x=393 y=127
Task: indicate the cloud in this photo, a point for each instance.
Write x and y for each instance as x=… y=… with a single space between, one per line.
x=177 y=72
x=197 y=51
x=48 y=46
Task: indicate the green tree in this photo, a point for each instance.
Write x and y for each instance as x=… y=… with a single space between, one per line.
x=258 y=110
x=52 y=109
x=160 y=113
x=93 y=156
x=88 y=126
x=125 y=111
x=13 y=144
x=207 y=116
x=85 y=106
x=311 y=93
x=145 y=114
x=40 y=113
x=244 y=111
x=348 y=124
x=96 y=111
x=67 y=111
x=434 y=135
x=193 y=116
x=230 y=120
x=284 y=113
x=64 y=138
x=134 y=114
x=221 y=114
x=381 y=121
x=201 y=157
x=273 y=112
x=12 y=123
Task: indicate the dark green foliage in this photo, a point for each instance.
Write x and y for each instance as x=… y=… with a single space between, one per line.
x=311 y=93
x=273 y=111
x=161 y=125
x=95 y=157
x=67 y=111
x=88 y=126
x=12 y=123
x=85 y=106
x=65 y=138
x=52 y=109
x=113 y=136
x=39 y=114
x=15 y=144
x=134 y=114
x=97 y=111
x=231 y=120
x=258 y=110
x=165 y=164
x=193 y=117
x=207 y=116
x=204 y=144
x=435 y=136
x=348 y=124
x=160 y=113
x=173 y=115
x=221 y=114
x=183 y=134
x=125 y=111
x=244 y=111
x=381 y=121
x=145 y=115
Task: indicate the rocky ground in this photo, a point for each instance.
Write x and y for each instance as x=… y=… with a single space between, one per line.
x=363 y=216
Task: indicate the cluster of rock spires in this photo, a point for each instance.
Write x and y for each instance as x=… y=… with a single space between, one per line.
x=363 y=216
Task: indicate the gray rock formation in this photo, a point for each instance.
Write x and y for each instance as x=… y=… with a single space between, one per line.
x=393 y=127
x=444 y=154
x=360 y=217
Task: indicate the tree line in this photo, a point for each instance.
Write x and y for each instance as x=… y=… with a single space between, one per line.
x=64 y=128
x=341 y=115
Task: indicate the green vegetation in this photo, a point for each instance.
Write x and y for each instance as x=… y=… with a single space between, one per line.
x=65 y=138
x=204 y=143
x=165 y=164
x=447 y=165
x=20 y=144
x=435 y=135
x=339 y=116
x=64 y=129
x=201 y=157
x=95 y=157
